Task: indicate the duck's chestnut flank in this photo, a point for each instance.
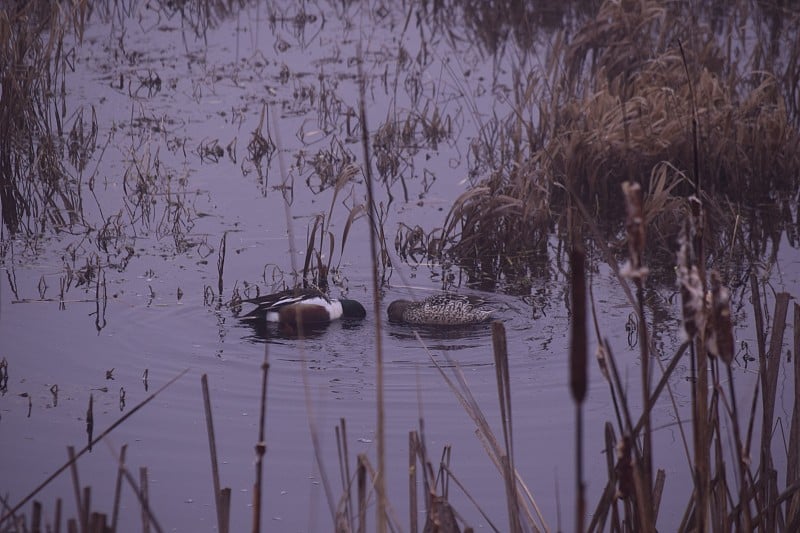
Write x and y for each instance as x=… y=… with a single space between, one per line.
x=302 y=306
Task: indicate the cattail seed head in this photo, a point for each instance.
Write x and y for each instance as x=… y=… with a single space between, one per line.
x=634 y=224
x=691 y=287
x=577 y=349
x=720 y=339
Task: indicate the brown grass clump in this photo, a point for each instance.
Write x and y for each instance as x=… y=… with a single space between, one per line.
x=641 y=89
x=638 y=108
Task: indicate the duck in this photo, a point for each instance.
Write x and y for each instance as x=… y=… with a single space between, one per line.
x=446 y=309
x=293 y=308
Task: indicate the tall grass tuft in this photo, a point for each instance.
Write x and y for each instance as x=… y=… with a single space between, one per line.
x=634 y=89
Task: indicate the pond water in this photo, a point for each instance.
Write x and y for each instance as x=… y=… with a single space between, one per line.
x=157 y=197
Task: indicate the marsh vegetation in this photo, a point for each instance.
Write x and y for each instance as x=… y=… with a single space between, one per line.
x=556 y=156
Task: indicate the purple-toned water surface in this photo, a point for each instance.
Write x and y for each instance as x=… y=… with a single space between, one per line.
x=158 y=317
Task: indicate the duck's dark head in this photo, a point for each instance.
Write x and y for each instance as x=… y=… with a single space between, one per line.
x=397 y=310
x=352 y=309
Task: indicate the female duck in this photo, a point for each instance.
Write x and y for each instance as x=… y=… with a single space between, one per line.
x=440 y=310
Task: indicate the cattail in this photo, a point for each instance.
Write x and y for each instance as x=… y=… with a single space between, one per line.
x=634 y=224
x=691 y=287
x=637 y=237
x=577 y=349
x=697 y=225
x=720 y=340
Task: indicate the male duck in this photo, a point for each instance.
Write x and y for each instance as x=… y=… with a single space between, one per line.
x=440 y=310
x=296 y=307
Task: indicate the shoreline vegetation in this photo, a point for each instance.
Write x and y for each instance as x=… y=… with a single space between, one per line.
x=682 y=116
x=676 y=97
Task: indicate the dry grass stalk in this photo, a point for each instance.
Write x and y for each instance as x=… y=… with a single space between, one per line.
x=380 y=483
x=361 y=476
x=143 y=487
x=413 y=450
x=504 y=394
x=769 y=375
x=76 y=486
x=793 y=465
x=344 y=512
x=118 y=488
x=260 y=448
x=212 y=448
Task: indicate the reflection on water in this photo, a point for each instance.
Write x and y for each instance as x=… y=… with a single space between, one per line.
x=272 y=332
x=443 y=338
